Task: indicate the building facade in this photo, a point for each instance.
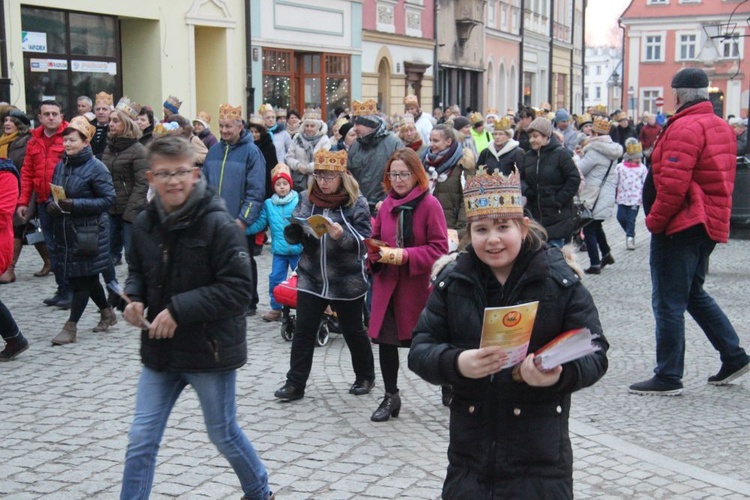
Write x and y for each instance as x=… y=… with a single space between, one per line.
x=502 y=54
x=602 y=77
x=536 y=53
x=663 y=36
x=306 y=54
x=398 y=52
x=62 y=49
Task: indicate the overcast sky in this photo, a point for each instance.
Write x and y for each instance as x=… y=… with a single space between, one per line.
x=601 y=19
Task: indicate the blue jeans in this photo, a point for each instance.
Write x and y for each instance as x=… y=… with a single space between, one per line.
x=678 y=271
x=48 y=223
x=280 y=265
x=626 y=216
x=119 y=236
x=593 y=235
x=157 y=394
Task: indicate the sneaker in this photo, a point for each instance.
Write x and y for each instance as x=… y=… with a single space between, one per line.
x=630 y=243
x=656 y=387
x=593 y=270
x=607 y=260
x=727 y=373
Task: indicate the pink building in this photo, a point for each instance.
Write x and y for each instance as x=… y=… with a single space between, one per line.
x=663 y=36
x=502 y=37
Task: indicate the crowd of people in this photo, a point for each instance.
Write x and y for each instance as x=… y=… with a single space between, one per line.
x=480 y=207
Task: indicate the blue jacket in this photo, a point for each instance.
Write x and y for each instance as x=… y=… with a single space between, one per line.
x=275 y=213
x=238 y=172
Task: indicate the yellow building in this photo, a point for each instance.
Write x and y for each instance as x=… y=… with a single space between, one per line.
x=145 y=49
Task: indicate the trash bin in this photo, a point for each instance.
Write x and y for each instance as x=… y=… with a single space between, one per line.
x=740 y=218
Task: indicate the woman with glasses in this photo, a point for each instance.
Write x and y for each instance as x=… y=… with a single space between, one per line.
x=412 y=225
x=331 y=270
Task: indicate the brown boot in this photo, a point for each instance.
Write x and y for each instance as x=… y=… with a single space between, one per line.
x=108 y=318
x=67 y=335
x=9 y=276
x=44 y=254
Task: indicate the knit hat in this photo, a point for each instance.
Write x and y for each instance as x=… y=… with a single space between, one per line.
x=172 y=104
x=345 y=128
x=562 y=116
x=460 y=122
x=633 y=149
x=541 y=125
x=281 y=171
x=690 y=78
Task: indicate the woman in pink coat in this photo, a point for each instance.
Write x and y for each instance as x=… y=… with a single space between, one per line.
x=411 y=224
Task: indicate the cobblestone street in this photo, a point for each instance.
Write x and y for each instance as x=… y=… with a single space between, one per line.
x=66 y=410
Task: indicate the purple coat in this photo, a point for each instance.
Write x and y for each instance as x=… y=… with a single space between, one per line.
x=408 y=284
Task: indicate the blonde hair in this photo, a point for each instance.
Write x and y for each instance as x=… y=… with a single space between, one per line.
x=131 y=129
x=348 y=184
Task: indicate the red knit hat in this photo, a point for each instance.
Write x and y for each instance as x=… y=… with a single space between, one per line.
x=281 y=171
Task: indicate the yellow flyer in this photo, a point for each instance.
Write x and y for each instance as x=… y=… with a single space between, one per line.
x=510 y=328
x=58 y=192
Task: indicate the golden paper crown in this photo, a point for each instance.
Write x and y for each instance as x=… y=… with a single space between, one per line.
x=281 y=113
x=265 y=108
x=104 y=98
x=540 y=113
x=503 y=123
x=326 y=160
x=546 y=106
x=633 y=148
x=476 y=117
x=601 y=125
x=130 y=108
x=495 y=196
x=204 y=117
x=229 y=112
x=172 y=104
x=368 y=107
x=161 y=129
x=411 y=99
x=584 y=119
x=256 y=119
x=82 y=125
x=407 y=119
x=492 y=111
x=600 y=109
x=312 y=114
x=280 y=168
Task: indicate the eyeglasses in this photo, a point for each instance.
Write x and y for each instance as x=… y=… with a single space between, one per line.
x=325 y=177
x=180 y=175
x=404 y=176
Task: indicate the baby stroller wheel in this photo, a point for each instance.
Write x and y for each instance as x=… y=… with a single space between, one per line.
x=321 y=338
x=287 y=328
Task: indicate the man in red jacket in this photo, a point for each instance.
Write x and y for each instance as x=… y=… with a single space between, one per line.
x=43 y=152
x=687 y=198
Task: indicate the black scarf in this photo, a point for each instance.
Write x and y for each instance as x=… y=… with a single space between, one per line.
x=404 y=235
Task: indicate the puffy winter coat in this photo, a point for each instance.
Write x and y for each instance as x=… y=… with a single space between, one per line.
x=275 y=214
x=450 y=193
x=599 y=157
x=300 y=158
x=126 y=160
x=282 y=141
x=17 y=150
x=509 y=156
x=197 y=268
x=238 y=172
x=40 y=164
x=333 y=269
x=481 y=140
x=406 y=287
x=551 y=180
x=367 y=159
x=507 y=439
x=9 y=188
x=692 y=169
x=209 y=139
x=89 y=184
x=648 y=135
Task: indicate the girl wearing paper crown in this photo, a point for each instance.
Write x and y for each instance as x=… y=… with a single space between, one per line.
x=331 y=270
x=508 y=435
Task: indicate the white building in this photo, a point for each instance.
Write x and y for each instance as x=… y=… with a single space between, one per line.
x=601 y=72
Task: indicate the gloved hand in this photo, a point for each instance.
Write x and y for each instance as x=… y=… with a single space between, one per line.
x=293 y=234
x=310 y=168
x=393 y=256
x=66 y=205
x=53 y=209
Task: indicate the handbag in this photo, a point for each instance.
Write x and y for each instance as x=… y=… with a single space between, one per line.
x=86 y=240
x=585 y=215
x=34 y=236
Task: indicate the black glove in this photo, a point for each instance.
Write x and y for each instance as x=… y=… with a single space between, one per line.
x=66 y=205
x=293 y=234
x=53 y=209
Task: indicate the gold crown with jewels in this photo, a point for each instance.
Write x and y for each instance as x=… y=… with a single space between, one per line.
x=368 y=107
x=493 y=196
x=130 y=108
x=326 y=160
x=229 y=112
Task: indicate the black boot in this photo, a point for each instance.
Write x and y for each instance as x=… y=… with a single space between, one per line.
x=14 y=347
x=390 y=407
x=65 y=300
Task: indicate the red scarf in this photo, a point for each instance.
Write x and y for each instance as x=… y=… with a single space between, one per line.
x=415 y=145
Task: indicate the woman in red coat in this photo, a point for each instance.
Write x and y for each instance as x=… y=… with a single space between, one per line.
x=412 y=225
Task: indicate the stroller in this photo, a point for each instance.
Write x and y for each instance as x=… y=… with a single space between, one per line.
x=285 y=293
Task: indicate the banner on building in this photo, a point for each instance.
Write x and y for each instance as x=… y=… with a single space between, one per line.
x=94 y=67
x=33 y=41
x=44 y=65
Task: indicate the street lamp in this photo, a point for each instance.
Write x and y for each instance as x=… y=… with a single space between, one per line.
x=631 y=100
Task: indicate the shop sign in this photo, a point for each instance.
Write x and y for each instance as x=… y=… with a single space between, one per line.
x=94 y=67
x=33 y=41
x=44 y=65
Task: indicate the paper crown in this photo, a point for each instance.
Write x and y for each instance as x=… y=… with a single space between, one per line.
x=256 y=119
x=281 y=113
x=229 y=112
x=172 y=104
x=265 y=108
x=540 y=113
x=281 y=171
x=600 y=109
x=104 y=98
x=633 y=148
x=368 y=107
x=410 y=100
x=407 y=119
x=326 y=160
x=161 y=129
x=130 y=108
x=546 y=106
x=476 y=117
x=495 y=196
x=584 y=119
x=204 y=117
x=492 y=111
x=82 y=125
x=601 y=125
x=503 y=123
x=312 y=114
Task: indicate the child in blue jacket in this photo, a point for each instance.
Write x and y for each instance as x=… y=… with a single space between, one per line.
x=275 y=213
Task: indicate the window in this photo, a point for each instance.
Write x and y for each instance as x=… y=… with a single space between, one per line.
x=491 y=14
x=586 y=70
x=657 y=2
x=598 y=91
x=504 y=16
x=653 y=48
x=730 y=49
x=649 y=101
x=598 y=70
x=687 y=47
x=586 y=93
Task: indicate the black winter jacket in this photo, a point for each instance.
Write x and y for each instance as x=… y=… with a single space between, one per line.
x=268 y=150
x=507 y=439
x=199 y=269
x=126 y=160
x=87 y=182
x=504 y=161
x=550 y=181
